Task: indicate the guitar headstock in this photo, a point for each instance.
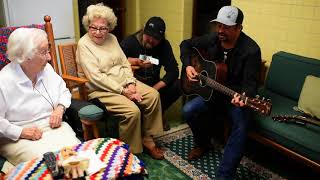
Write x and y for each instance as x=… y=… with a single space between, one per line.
x=289 y=119
x=260 y=105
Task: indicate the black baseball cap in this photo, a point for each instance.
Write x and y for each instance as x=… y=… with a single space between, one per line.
x=155 y=27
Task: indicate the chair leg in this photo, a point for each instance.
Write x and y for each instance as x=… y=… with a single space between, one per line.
x=95 y=130
x=85 y=132
x=89 y=126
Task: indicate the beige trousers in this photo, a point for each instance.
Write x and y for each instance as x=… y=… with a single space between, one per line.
x=133 y=128
x=51 y=140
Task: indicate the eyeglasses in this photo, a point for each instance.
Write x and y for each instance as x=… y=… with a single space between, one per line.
x=44 y=52
x=101 y=29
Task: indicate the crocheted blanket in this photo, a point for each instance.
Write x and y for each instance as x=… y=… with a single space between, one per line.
x=114 y=153
x=4 y=35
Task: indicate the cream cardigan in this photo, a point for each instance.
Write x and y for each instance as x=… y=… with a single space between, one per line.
x=105 y=66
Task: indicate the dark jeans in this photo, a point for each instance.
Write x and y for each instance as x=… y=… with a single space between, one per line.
x=200 y=127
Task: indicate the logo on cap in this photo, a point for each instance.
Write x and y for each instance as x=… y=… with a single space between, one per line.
x=230 y=14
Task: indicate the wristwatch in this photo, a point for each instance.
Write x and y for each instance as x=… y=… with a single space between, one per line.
x=130 y=83
x=63 y=107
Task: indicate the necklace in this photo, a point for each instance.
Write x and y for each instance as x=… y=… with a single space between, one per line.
x=50 y=102
x=225 y=56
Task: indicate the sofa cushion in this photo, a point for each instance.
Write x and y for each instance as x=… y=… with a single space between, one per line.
x=300 y=138
x=309 y=98
x=287 y=73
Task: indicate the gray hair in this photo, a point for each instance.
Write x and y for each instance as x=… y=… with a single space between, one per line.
x=99 y=11
x=23 y=43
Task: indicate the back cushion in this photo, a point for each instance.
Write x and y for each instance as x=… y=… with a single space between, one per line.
x=287 y=73
x=4 y=35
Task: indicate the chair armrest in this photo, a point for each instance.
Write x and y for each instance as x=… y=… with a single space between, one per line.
x=80 y=82
x=74 y=79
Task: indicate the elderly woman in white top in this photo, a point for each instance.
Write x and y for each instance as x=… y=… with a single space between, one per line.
x=32 y=100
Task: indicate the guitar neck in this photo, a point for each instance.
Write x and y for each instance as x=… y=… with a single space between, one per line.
x=219 y=87
x=307 y=120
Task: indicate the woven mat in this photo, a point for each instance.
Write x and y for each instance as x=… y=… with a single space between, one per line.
x=178 y=143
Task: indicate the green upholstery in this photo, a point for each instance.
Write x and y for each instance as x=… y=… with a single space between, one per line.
x=86 y=110
x=90 y=112
x=284 y=82
x=2 y=160
x=287 y=73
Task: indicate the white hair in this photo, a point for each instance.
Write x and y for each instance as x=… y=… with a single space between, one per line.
x=99 y=11
x=23 y=43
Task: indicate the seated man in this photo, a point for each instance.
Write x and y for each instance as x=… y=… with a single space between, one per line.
x=242 y=56
x=33 y=98
x=151 y=42
x=102 y=61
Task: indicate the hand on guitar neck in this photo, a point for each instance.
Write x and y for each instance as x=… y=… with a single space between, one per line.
x=237 y=101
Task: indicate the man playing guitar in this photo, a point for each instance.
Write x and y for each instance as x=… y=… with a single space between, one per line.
x=242 y=57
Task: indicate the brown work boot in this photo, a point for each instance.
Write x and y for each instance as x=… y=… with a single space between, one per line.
x=196 y=153
x=155 y=152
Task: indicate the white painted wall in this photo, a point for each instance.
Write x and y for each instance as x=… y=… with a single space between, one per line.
x=25 y=12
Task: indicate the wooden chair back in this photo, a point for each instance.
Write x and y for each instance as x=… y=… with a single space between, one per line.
x=67 y=54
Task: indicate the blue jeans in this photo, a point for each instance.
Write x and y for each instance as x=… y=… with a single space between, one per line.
x=234 y=148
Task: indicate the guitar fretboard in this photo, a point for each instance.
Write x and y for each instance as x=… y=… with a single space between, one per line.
x=219 y=87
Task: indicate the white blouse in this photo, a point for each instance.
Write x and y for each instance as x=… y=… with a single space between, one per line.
x=22 y=105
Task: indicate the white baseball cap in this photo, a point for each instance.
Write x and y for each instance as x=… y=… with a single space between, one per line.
x=229 y=15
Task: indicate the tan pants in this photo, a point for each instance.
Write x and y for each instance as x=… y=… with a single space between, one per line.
x=133 y=128
x=51 y=140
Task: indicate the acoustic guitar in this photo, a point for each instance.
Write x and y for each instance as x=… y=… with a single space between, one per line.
x=211 y=76
x=302 y=120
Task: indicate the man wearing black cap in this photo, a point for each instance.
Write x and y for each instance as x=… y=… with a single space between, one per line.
x=229 y=45
x=149 y=50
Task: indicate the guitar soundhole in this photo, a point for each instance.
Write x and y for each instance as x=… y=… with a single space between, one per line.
x=201 y=80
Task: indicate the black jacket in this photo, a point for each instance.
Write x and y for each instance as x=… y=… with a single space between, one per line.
x=132 y=47
x=243 y=61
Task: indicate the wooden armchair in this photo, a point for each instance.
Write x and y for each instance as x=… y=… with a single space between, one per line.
x=90 y=113
x=67 y=53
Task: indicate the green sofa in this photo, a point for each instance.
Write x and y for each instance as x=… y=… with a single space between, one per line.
x=283 y=85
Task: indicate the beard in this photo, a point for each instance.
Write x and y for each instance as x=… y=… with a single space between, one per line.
x=147 y=45
x=222 y=37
